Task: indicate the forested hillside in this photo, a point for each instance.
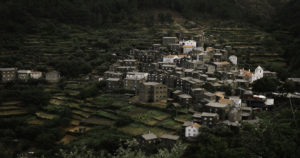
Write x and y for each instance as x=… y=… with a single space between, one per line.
x=278 y=17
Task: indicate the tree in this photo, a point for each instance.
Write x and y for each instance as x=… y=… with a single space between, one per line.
x=169 y=18
x=34 y=98
x=127 y=150
x=161 y=18
x=149 y=20
x=288 y=86
x=265 y=84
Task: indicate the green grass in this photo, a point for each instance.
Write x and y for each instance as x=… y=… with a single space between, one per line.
x=12 y=112
x=171 y=124
x=108 y=115
x=136 y=129
x=44 y=115
x=98 y=121
x=183 y=118
x=74 y=86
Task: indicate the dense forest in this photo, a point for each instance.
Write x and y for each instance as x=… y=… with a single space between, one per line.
x=32 y=16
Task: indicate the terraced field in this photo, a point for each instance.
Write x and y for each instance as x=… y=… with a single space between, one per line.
x=102 y=110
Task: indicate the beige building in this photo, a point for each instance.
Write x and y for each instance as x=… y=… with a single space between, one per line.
x=152 y=92
x=53 y=76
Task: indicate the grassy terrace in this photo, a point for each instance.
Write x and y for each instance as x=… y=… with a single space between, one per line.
x=102 y=110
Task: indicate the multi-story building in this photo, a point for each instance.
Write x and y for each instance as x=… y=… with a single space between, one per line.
x=24 y=74
x=53 y=76
x=114 y=83
x=133 y=80
x=8 y=74
x=111 y=74
x=219 y=108
x=152 y=92
x=205 y=118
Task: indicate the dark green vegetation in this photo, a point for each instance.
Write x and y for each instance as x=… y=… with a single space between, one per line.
x=41 y=33
x=54 y=112
x=277 y=135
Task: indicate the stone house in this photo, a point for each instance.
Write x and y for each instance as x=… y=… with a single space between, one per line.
x=171 y=80
x=169 y=139
x=156 y=77
x=114 y=83
x=185 y=100
x=133 y=83
x=169 y=40
x=209 y=96
x=24 y=74
x=156 y=46
x=8 y=74
x=128 y=62
x=217 y=57
x=187 y=49
x=125 y=69
x=211 y=68
x=53 y=76
x=270 y=74
x=235 y=115
x=219 y=108
x=152 y=92
x=133 y=80
x=168 y=67
x=149 y=138
x=188 y=72
x=174 y=47
x=148 y=67
x=246 y=113
x=222 y=66
x=204 y=118
x=111 y=74
x=197 y=94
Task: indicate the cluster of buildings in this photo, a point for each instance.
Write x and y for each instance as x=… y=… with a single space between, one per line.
x=180 y=71
x=11 y=74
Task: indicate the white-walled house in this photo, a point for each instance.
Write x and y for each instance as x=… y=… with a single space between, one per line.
x=258 y=74
x=236 y=100
x=188 y=42
x=137 y=75
x=269 y=101
x=36 y=74
x=171 y=58
x=233 y=59
x=192 y=131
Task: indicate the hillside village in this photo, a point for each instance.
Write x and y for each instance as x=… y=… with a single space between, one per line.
x=184 y=75
x=206 y=82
